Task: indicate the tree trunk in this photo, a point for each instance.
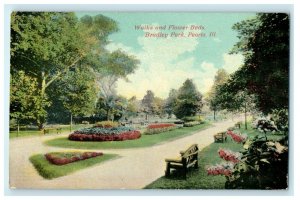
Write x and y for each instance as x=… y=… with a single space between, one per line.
x=107 y=115
x=245 y=116
x=214 y=115
x=71 y=121
x=18 y=128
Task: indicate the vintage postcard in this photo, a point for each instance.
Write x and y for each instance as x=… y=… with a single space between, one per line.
x=149 y=100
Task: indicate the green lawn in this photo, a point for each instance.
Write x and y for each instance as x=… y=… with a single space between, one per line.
x=50 y=171
x=144 y=141
x=198 y=178
x=25 y=133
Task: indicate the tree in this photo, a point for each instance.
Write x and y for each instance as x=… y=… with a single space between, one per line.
x=170 y=102
x=158 y=106
x=220 y=78
x=78 y=92
x=148 y=104
x=189 y=100
x=133 y=106
x=113 y=66
x=264 y=42
x=25 y=103
x=46 y=45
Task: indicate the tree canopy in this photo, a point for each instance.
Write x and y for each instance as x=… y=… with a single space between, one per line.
x=264 y=42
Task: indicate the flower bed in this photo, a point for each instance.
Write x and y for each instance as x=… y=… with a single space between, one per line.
x=229 y=155
x=63 y=158
x=105 y=134
x=159 y=128
x=220 y=169
x=239 y=138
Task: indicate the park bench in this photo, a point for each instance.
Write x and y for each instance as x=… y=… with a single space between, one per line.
x=187 y=159
x=48 y=130
x=220 y=137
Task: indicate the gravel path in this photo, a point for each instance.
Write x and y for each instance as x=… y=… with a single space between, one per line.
x=134 y=169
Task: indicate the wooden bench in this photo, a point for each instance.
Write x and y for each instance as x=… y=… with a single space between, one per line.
x=187 y=159
x=220 y=137
x=47 y=130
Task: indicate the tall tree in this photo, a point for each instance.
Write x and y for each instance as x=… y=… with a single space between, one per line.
x=45 y=45
x=170 y=102
x=220 y=78
x=189 y=100
x=264 y=42
x=148 y=104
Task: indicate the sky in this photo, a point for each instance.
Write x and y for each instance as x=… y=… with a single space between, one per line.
x=166 y=62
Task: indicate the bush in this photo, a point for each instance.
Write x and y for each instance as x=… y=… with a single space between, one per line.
x=281 y=119
x=159 y=128
x=191 y=123
x=264 y=165
x=106 y=124
x=62 y=158
x=197 y=118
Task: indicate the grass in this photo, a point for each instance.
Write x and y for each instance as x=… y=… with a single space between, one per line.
x=144 y=141
x=198 y=178
x=26 y=133
x=50 y=171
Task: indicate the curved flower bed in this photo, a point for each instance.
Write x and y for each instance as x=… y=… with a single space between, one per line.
x=159 y=128
x=229 y=155
x=62 y=158
x=237 y=137
x=105 y=134
x=220 y=169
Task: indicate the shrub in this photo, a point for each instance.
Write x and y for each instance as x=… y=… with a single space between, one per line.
x=281 y=119
x=62 y=158
x=264 y=165
x=106 y=124
x=193 y=118
x=191 y=124
x=159 y=128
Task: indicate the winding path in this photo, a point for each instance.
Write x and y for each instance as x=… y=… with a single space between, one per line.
x=134 y=169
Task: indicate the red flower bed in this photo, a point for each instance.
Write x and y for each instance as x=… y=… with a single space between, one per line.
x=220 y=169
x=129 y=135
x=159 y=128
x=229 y=155
x=65 y=158
x=237 y=137
x=153 y=126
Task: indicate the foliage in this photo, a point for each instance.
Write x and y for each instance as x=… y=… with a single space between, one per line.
x=220 y=78
x=264 y=165
x=106 y=124
x=264 y=42
x=63 y=158
x=148 y=104
x=265 y=125
x=196 y=118
x=189 y=100
x=47 y=45
x=281 y=119
x=170 y=102
x=25 y=103
x=159 y=128
x=191 y=123
x=50 y=171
